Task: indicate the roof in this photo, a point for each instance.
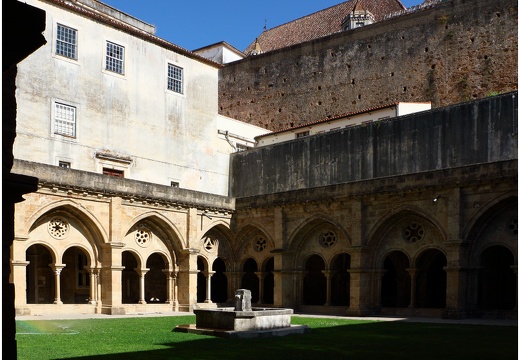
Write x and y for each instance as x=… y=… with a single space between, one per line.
x=220 y=44
x=320 y=24
x=329 y=119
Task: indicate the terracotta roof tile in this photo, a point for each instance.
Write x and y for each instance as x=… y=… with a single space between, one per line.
x=320 y=24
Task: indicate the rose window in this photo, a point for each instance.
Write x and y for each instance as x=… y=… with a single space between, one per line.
x=260 y=244
x=143 y=237
x=413 y=232
x=328 y=239
x=210 y=244
x=58 y=228
x=512 y=226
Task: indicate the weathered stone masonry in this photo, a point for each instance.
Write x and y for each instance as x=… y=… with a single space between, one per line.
x=457 y=51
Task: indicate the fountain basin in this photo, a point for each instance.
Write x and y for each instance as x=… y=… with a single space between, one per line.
x=254 y=319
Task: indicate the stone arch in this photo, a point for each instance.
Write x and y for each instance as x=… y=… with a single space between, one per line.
x=75 y=276
x=216 y=243
x=202 y=273
x=497 y=285
x=254 y=241
x=250 y=278
x=82 y=229
x=155 y=279
x=173 y=239
x=40 y=279
x=311 y=224
x=219 y=281
x=314 y=290
x=268 y=281
x=396 y=281
x=340 y=279
x=430 y=279
x=92 y=224
x=131 y=262
x=407 y=229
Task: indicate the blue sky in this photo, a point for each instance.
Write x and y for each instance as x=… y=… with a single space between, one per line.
x=197 y=23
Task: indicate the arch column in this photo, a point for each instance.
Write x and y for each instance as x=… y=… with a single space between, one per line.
x=378 y=288
x=169 y=286
x=92 y=272
x=260 y=276
x=57 y=268
x=142 y=273
x=209 y=274
x=413 y=275
x=328 y=278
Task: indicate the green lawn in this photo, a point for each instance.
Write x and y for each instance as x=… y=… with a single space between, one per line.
x=152 y=338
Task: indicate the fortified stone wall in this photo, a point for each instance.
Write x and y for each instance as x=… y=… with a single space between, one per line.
x=457 y=51
x=477 y=132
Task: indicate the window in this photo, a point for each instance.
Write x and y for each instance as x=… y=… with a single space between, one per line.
x=175 y=78
x=174 y=184
x=302 y=134
x=115 y=58
x=113 y=172
x=66 y=41
x=64 y=120
x=64 y=164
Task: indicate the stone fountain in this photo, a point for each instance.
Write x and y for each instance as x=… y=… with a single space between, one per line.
x=243 y=320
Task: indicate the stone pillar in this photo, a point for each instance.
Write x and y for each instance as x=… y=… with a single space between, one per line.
x=19 y=277
x=260 y=276
x=187 y=280
x=93 y=286
x=169 y=286
x=57 y=291
x=361 y=301
x=328 y=277
x=111 y=279
x=209 y=274
x=243 y=300
x=175 y=292
x=413 y=274
x=378 y=281
x=142 y=273
x=455 y=292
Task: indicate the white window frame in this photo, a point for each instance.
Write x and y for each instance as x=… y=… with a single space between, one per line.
x=172 y=80
x=110 y=56
x=62 y=129
x=73 y=44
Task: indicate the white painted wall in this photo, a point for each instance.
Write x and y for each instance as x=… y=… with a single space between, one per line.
x=167 y=136
x=219 y=53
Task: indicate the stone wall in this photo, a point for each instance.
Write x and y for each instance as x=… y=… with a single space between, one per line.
x=457 y=51
x=476 y=132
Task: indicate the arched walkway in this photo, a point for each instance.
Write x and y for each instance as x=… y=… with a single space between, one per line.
x=75 y=278
x=156 y=289
x=395 y=285
x=219 y=283
x=268 y=281
x=497 y=287
x=201 y=279
x=314 y=282
x=340 y=280
x=40 y=279
x=250 y=279
x=431 y=280
x=129 y=279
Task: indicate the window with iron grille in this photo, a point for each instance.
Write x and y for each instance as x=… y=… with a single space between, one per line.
x=175 y=78
x=66 y=41
x=64 y=164
x=64 y=119
x=115 y=58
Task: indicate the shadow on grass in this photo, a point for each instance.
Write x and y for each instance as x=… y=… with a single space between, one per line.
x=378 y=340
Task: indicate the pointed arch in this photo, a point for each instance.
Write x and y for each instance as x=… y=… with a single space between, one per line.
x=163 y=225
x=253 y=232
x=92 y=224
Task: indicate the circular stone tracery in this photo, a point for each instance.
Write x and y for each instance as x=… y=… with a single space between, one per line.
x=143 y=236
x=210 y=244
x=260 y=244
x=58 y=228
x=413 y=232
x=328 y=239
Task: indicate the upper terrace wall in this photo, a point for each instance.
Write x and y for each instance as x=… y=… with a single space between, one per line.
x=477 y=132
x=457 y=51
